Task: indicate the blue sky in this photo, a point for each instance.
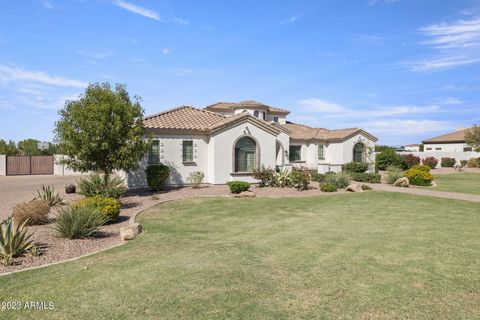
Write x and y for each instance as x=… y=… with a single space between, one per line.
x=404 y=70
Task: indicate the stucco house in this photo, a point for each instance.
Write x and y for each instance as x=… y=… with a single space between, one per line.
x=450 y=142
x=412 y=147
x=226 y=141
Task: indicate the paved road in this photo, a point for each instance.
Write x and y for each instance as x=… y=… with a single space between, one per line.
x=15 y=189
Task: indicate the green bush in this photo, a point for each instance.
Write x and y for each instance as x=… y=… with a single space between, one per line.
x=14 y=240
x=109 y=207
x=448 y=162
x=366 y=177
x=388 y=158
x=319 y=177
x=419 y=177
x=48 y=194
x=75 y=222
x=340 y=180
x=473 y=163
x=196 y=178
x=463 y=163
x=300 y=179
x=266 y=176
x=393 y=174
x=238 y=186
x=95 y=185
x=157 y=175
x=328 y=187
x=422 y=167
x=356 y=167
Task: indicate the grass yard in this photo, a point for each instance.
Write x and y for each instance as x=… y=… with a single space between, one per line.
x=365 y=256
x=458 y=182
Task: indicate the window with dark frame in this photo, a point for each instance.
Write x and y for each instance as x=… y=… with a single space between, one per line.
x=187 y=151
x=153 y=155
x=467 y=149
x=295 y=153
x=321 y=152
x=275 y=119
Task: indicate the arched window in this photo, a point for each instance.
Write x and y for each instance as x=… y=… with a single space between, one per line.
x=256 y=113
x=358 y=153
x=245 y=155
x=245 y=111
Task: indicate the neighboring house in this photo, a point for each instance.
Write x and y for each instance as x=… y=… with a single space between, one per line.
x=450 y=142
x=412 y=147
x=226 y=141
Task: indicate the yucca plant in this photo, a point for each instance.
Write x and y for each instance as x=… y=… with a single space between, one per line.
x=75 y=222
x=48 y=194
x=14 y=240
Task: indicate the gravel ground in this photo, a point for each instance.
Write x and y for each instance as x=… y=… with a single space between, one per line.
x=54 y=249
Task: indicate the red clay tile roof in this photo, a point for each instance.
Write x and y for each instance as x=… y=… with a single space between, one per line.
x=247 y=104
x=457 y=136
x=302 y=132
x=184 y=117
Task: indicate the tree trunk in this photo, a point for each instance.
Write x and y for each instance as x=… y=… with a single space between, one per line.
x=106 y=177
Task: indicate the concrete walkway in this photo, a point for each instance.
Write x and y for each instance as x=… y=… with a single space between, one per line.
x=425 y=192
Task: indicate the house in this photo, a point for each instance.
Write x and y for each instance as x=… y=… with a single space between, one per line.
x=226 y=141
x=412 y=147
x=450 y=142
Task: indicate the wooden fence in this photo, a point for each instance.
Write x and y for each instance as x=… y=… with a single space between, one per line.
x=26 y=165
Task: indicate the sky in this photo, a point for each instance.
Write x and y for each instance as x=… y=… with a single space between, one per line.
x=404 y=70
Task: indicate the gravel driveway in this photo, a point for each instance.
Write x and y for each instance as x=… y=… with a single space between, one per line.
x=15 y=189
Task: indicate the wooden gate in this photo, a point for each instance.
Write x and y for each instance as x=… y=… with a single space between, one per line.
x=21 y=165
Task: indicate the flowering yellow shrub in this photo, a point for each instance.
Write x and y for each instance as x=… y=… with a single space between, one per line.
x=109 y=207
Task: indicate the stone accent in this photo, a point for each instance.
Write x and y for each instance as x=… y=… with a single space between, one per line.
x=131 y=231
x=354 y=188
x=245 y=194
x=402 y=182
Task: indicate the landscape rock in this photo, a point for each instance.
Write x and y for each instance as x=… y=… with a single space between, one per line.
x=402 y=182
x=131 y=231
x=245 y=194
x=354 y=188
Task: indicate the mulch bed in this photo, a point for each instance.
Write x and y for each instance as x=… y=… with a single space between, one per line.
x=55 y=249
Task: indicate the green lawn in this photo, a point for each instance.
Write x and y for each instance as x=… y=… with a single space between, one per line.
x=365 y=256
x=458 y=182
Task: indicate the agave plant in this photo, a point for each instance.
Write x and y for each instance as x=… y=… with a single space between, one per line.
x=282 y=179
x=48 y=194
x=14 y=240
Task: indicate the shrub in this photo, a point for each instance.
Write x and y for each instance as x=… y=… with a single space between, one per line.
x=463 y=163
x=95 y=185
x=366 y=177
x=339 y=180
x=75 y=222
x=109 y=207
x=473 y=163
x=365 y=187
x=51 y=198
x=282 y=179
x=388 y=158
x=300 y=179
x=14 y=240
x=196 y=179
x=419 y=177
x=32 y=212
x=421 y=167
x=266 y=176
x=410 y=160
x=430 y=161
x=448 y=162
x=319 y=177
x=157 y=176
x=357 y=167
x=328 y=187
x=393 y=174
x=238 y=186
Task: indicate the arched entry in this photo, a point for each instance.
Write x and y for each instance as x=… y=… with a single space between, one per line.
x=358 y=152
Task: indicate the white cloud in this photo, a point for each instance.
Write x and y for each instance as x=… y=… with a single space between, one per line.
x=318 y=105
x=96 y=54
x=452 y=101
x=166 y=51
x=181 y=21
x=291 y=19
x=138 y=10
x=374 y=2
x=460 y=34
x=436 y=64
x=9 y=74
x=404 y=127
x=47 y=4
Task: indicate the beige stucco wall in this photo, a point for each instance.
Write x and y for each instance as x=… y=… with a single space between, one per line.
x=222 y=151
x=3 y=165
x=445 y=147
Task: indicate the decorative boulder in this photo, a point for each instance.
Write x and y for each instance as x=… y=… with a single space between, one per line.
x=402 y=182
x=354 y=188
x=131 y=231
x=245 y=194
